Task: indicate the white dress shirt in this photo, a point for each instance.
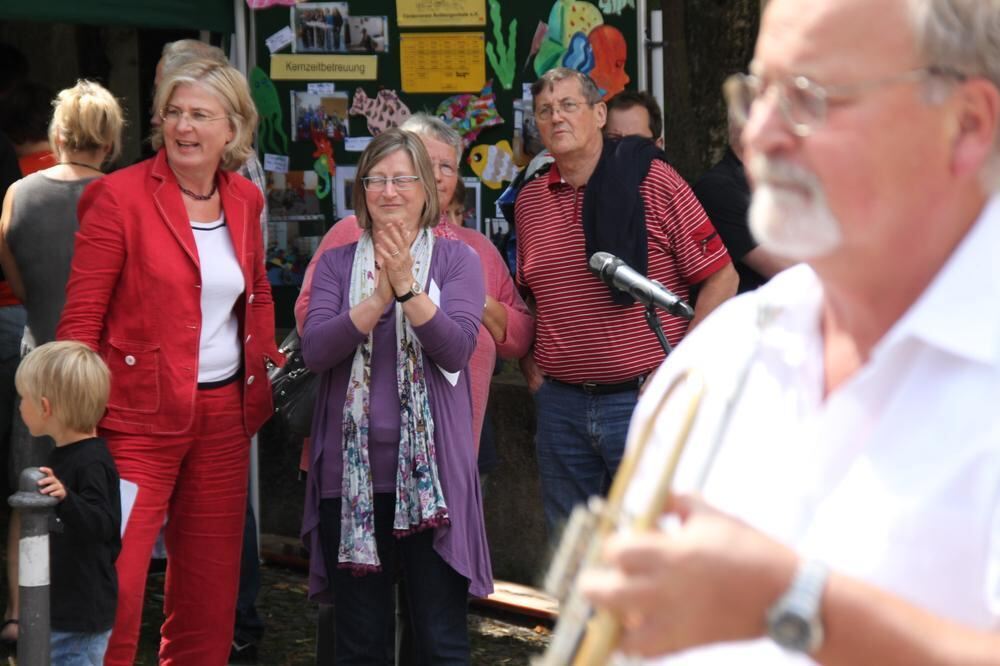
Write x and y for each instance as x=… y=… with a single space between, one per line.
x=894 y=478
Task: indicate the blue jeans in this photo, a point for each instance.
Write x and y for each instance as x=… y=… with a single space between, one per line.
x=579 y=442
x=437 y=596
x=75 y=649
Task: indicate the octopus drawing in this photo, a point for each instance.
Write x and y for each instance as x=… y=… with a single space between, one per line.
x=265 y=96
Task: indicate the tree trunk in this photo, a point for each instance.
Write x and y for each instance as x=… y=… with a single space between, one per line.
x=706 y=41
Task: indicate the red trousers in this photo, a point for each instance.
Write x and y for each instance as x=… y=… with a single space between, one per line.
x=198 y=481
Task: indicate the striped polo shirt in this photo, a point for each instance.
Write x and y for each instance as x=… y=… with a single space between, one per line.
x=582 y=335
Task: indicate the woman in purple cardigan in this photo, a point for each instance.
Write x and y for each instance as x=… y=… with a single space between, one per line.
x=391 y=326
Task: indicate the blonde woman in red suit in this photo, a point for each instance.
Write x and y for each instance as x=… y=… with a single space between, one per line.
x=168 y=284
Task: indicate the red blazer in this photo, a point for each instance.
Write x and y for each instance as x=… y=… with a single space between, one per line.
x=134 y=295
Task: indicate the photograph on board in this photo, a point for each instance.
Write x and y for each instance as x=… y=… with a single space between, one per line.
x=292 y=196
x=367 y=34
x=345 y=190
x=289 y=252
x=472 y=213
x=314 y=112
x=319 y=27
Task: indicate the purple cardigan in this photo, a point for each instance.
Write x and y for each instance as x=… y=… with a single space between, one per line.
x=329 y=339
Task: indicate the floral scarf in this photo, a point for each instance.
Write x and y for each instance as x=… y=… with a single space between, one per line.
x=420 y=501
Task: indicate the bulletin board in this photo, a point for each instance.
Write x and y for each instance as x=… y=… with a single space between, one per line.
x=445 y=60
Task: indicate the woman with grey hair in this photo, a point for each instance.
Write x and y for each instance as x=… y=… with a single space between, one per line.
x=168 y=284
x=392 y=481
x=508 y=328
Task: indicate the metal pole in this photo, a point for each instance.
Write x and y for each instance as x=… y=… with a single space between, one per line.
x=240 y=26
x=253 y=495
x=252 y=42
x=656 y=56
x=249 y=51
x=641 y=37
x=34 y=631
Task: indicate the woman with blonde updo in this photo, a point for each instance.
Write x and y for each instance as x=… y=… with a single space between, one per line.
x=37 y=228
x=168 y=285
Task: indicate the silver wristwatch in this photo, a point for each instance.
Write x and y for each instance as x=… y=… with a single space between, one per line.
x=794 y=622
x=415 y=289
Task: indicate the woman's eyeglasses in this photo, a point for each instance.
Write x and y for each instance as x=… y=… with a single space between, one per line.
x=172 y=115
x=378 y=183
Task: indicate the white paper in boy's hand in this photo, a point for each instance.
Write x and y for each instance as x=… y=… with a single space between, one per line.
x=434 y=293
x=128 y=491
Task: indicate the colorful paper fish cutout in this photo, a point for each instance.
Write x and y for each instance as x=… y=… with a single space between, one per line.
x=470 y=114
x=493 y=164
x=383 y=111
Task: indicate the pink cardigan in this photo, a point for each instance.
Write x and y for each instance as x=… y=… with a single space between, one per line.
x=499 y=285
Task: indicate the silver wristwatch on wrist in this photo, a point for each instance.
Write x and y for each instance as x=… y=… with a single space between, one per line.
x=415 y=289
x=794 y=622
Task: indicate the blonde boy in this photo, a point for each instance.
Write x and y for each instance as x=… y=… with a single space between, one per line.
x=64 y=389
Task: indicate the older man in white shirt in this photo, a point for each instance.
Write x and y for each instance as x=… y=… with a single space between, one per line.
x=851 y=474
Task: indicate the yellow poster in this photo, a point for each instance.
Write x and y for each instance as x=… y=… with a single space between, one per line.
x=448 y=62
x=324 y=67
x=412 y=13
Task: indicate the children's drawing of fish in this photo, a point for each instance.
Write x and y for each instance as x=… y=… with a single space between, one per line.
x=383 y=111
x=493 y=164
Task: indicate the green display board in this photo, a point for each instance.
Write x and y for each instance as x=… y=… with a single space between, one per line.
x=446 y=56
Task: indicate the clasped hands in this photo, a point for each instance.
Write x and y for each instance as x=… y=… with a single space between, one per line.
x=393 y=262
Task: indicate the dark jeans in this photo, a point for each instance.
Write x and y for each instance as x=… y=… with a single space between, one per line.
x=249 y=626
x=579 y=441
x=364 y=607
x=12 y=320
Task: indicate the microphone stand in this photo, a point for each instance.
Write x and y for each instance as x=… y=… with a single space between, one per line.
x=654 y=323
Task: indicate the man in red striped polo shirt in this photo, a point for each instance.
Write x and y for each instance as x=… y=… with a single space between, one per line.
x=593 y=348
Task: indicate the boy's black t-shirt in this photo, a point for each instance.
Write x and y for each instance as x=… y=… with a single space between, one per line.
x=86 y=539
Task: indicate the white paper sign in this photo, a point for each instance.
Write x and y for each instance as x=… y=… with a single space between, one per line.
x=33 y=560
x=128 y=491
x=357 y=144
x=280 y=39
x=497 y=225
x=278 y=163
x=434 y=293
x=321 y=88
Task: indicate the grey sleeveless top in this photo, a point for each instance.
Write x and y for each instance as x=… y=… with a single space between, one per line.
x=40 y=235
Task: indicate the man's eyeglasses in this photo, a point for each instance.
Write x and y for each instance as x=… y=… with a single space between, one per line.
x=803 y=102
x=172 y=115
x=378 y=183
x=566 y=107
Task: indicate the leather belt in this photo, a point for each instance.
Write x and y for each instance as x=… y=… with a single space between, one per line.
x=208 y=386
x=590 y=388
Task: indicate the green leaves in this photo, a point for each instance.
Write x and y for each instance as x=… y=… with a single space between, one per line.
x=502 y=56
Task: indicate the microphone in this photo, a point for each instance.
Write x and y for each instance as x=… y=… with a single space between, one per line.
x=616 y=273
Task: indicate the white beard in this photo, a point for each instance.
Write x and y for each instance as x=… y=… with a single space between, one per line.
x=789 y=215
